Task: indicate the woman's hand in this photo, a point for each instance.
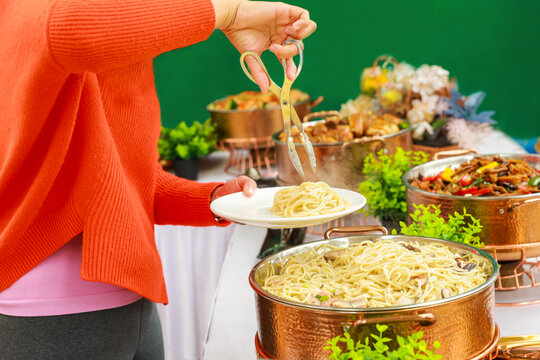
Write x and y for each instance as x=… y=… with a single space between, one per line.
x=241 y=183
x=258 y=25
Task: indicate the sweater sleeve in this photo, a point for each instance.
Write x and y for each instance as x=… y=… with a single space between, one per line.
x=179 y=201
x=98 y=35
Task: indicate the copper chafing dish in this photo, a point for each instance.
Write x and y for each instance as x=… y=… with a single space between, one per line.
x=506 y=220
x=255 y=123
x=463 y=324
x=339 y=164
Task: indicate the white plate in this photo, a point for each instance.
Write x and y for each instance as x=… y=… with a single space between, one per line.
x=255 y=210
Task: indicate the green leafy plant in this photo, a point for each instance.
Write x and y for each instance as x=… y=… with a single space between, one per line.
x=410 y=348
x=383 y=189
x=187 y=142
x=428 y=222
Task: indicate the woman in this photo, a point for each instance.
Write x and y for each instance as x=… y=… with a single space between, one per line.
x=80 y=187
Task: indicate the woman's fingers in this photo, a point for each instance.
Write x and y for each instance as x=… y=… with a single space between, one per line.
x=287 y=51
x=240 y=184
x=249 y=186
x=258 y=74
x=301 y=28
x=291 y=69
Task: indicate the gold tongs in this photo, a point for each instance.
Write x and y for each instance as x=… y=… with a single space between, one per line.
x=287 y=108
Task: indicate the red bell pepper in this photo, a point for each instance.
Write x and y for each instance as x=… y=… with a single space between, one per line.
x=432 y=178
x=473 y=190
x=483 y=191
x=465 y=180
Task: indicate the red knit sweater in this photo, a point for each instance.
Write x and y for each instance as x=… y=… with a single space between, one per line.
x=79 y=123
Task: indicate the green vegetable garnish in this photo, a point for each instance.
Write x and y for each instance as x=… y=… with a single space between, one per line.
x=232 y=104
x=410 y=348
x=535 y=181
x=383 y=189
x=428 y=222
x=404 y=125
x=322 y=298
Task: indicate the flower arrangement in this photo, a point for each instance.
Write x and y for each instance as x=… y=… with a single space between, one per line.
x=426 y=97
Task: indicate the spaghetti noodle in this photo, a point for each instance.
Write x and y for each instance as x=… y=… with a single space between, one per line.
x=307 y=199
x=377 y=274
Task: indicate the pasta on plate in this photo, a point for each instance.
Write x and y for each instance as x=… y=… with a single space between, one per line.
x=307 y=199
x=376 y=274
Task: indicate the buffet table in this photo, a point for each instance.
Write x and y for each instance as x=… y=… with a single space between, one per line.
x=222 y=324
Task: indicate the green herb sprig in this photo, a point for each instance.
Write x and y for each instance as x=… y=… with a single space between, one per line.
x=428 y=222
x=383 y=189
x=187 y=142
x=410 y=348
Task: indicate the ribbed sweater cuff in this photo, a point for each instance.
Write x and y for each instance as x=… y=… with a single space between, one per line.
x=96 y=35
x=184 y=202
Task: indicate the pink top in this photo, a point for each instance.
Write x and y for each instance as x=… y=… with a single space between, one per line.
x=55 y=287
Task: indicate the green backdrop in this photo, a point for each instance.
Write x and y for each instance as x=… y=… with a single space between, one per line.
x=489 y=45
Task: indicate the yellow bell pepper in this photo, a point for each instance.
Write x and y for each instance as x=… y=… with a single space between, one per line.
x=447 y=174
x=491 y=165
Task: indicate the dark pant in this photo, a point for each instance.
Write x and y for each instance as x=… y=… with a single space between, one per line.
x=129 y=332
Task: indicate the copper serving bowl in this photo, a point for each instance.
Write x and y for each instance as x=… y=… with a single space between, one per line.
x=339 y=164
x=463 y=324
x=255 y=123
x=506 y=220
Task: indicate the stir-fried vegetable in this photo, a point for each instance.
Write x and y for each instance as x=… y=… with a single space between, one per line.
x=483 y=176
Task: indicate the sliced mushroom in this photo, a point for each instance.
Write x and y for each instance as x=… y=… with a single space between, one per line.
x=410 y=247
x=404 y=300
x=359 y=303
x=341 y=303
x=422 y=279
x=445 y=292
x=469 y=266
x=333 y=254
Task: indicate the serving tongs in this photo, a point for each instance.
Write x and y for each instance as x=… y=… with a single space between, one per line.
x=287 y=108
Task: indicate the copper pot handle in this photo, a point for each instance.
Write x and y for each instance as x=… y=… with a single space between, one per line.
x=513 y=206
x=321 y=114
x=356 y=229
x=316 y=102
x=425 y=319
x=449 y=153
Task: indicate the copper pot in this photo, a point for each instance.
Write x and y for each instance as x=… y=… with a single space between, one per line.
x=506 y=220
x=255 y=123
x=338 y=164
x=463 y=324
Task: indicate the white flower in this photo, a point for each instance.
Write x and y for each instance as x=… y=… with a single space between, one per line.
x=467 y=134
x=423 y=110
x=429 y=79
x=402 y=74
x=421 y=128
